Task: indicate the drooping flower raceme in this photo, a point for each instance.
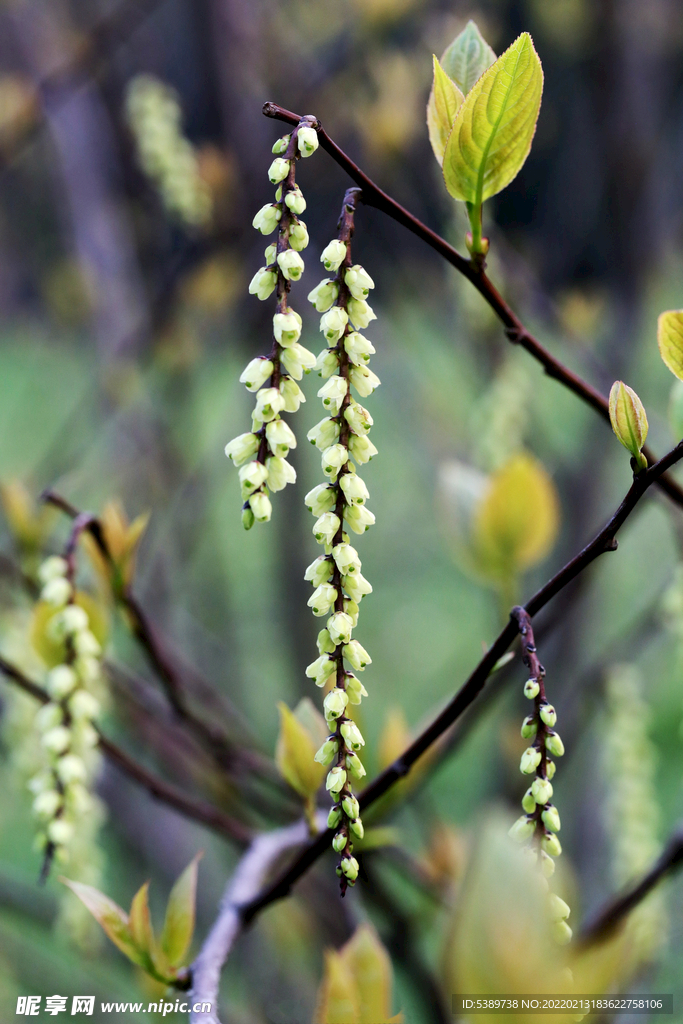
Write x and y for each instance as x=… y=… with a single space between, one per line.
x=67 y=735
x=339 y=506
x=540 y=823
x=262 y=453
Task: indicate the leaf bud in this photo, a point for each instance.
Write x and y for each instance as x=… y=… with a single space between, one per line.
x=531 y=758
x=529 y=727
x=554 y=744
x=548 y=715
x=628 y=419
x=541 y=790
x=531 y=688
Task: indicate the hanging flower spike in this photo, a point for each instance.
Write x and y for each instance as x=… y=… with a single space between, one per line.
x=539 y=825
x=336 y=575
x=65 y=724
x=262 y=453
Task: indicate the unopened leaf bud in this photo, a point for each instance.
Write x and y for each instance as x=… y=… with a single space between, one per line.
x=531 y=758
x=307 y=140
x=551 y=844
x=548 y=715
x=278 y=170
x=327 y=752
x=298 y=238
x=531 y=688
x=287 y=327
x=529 y=727
x=339 y=842
x=256 y=373
x=241 y=448
x=281 y=145
x=542 y=791
x=333 y=323
x=335 y=704
x=349 y=866
x=358 y=281
x=340 y=625
x=528 y=802
x=295 y=201
x=261 y=507
x=266 y=220
x=333 y=255
x=334 y=817
x=360 y=313
x=522 y=829
x=551 y=819
x=324 y=295
x=263 y=283
x=628 y=419
x=350 y=807
x=325 y=528
x=554 y=744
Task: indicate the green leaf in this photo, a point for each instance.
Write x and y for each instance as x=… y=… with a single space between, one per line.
x=444 y=102
x=670 y=340
x=180 y=915
x=295 y=753
x=140 y=922
x=111 y=917
x=628 y=419
x=468 y=57
x=494 y=127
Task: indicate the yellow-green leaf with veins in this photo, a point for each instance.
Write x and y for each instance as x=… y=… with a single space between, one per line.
x=444 y=103
x=670 y=340
x=142 y=933
x=468 y=57
x=628 y=419
x=180 y=915
x=494 y=127
x=294 y=755
x=113 y=919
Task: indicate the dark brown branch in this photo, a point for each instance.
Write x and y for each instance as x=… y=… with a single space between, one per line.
x=515 y=330
x=190 y=807
x=604 y=541
x=610 y=917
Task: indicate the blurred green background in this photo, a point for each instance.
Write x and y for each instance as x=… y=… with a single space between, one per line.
x=125 y=326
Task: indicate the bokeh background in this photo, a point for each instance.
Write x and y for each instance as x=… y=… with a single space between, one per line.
x=125 y=325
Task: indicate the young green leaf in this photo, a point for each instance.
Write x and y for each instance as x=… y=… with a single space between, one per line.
x=139 y=920
x=180 y=915
x=113 y=919
x=494 y=127
x=629 y=422
x=468 y=57
x=294 y=754
x=670 y=340
x=444 y=102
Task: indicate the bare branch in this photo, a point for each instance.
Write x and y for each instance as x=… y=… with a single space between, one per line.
x=190 y=807
x=474 y=271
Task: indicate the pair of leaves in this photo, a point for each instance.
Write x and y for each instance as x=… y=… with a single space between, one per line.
x=122 y=539
x=482 y=113
x=357 y=983
x=133 y=933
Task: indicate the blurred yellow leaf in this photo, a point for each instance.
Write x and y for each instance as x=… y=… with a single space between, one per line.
x=180 y=915
x=295 y=752
x=140 y=923
x=516 y=523
x=53 y=652
x=670 y=340
x=357 y=983
x=28 y=521
x=394 y=738
x=444 y=102
x=122 y=539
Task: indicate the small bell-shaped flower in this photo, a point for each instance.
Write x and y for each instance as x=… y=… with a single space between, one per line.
x=333 y=458
x=256 y=373
x=333 y=323
x=242 y=448
x=551 y=819
x=322 y=599
x=360 y=313
x=295 y=201
x=327 y=751
x=280 y=145
x=357 y=586
x=307 y=140
x=350 y=807
x=280 y=473
x=269 y=403
x=364 y=380
x=358 y=281
x=340 y=625
x=321 y=499
x=280 y=437
x=298 y=238
x=358 y=418
x=263 y=283
x=352 y=735
x=358 y=348
x=362 y=449
x=336 y=779
x=278 y=170
x=252 y=476
x=522 y=829
x=324 y=295
x=291 y=264
x=542 y=791
x=355 y=491
x=531 y=688
x=347 y=559
x=292 y=394
x=325 y=528
x=335 y=703
x=266 y=220
x=356 y=655
x=333 y=255
x=296 y=359
x=319 y=571
x=324 y=434
x=554 y=744
x=322 y=670
x=261 y=507
x=287 y=327
x=359 y=518
x=531 y=758
x=548 y=715
x=355 y=689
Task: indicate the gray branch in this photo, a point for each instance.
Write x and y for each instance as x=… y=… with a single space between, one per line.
x=247 y=881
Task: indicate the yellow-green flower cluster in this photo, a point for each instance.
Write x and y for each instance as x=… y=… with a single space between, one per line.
x=262 y=453
x=168 y=158
x=338 y=504
x=65 y=724
x=540 y=823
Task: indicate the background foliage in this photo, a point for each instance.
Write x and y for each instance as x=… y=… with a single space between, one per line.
x=125 y=327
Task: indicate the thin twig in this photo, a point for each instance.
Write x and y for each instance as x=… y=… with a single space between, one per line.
x=245 y=883
x=515 y=330
x=610 y=917
x=190 y=807
x=604 y=541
